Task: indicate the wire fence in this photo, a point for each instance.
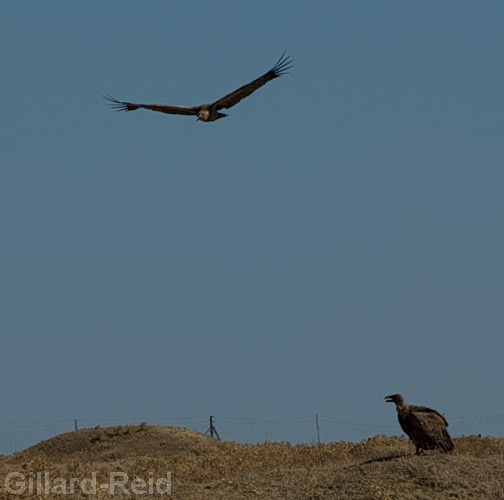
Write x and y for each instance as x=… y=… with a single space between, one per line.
x=311 y=429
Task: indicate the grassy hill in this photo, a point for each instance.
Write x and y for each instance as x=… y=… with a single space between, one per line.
x=380 y=468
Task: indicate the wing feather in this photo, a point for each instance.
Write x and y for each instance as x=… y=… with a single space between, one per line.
x=162 y=108
x=428 y=430
x=280 y=68
x=424 y=409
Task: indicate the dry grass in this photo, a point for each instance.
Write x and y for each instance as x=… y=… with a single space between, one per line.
x=380 y=468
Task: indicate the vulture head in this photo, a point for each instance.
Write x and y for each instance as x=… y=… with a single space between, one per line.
x=395 y=398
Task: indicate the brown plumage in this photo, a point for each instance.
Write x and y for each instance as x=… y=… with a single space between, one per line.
x=210 y=112
x=425 y=427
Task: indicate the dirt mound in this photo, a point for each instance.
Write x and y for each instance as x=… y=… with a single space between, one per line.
x=109 y=443
x=379 y=468
x=413 y=477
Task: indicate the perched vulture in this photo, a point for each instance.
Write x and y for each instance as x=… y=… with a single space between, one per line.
x=210 y=112
x=424 y=426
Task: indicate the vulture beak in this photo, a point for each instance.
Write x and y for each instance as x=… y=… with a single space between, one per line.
x=388 y=399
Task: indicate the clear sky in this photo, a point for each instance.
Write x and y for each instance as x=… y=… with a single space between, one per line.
x=339 y=237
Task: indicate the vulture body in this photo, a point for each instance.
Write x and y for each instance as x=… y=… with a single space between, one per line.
x=210 y=112
x=425 y=427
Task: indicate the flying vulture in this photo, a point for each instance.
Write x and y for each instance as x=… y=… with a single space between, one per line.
x=210 y=112
x=424 y=426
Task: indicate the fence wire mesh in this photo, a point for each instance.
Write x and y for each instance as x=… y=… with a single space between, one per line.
x=17 y=436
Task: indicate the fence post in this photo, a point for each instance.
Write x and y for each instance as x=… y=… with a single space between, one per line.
x=318 y=428
x=212 y=430
x=75 y=425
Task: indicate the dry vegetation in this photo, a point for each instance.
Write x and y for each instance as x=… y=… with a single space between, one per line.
x=380 y=468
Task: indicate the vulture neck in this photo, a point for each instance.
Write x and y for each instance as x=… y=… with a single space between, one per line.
x=402 y=409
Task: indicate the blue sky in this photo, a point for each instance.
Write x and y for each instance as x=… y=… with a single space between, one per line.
x=339 y=237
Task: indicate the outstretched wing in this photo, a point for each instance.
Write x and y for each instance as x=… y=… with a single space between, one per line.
x=279 y=69
x=162 y=108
